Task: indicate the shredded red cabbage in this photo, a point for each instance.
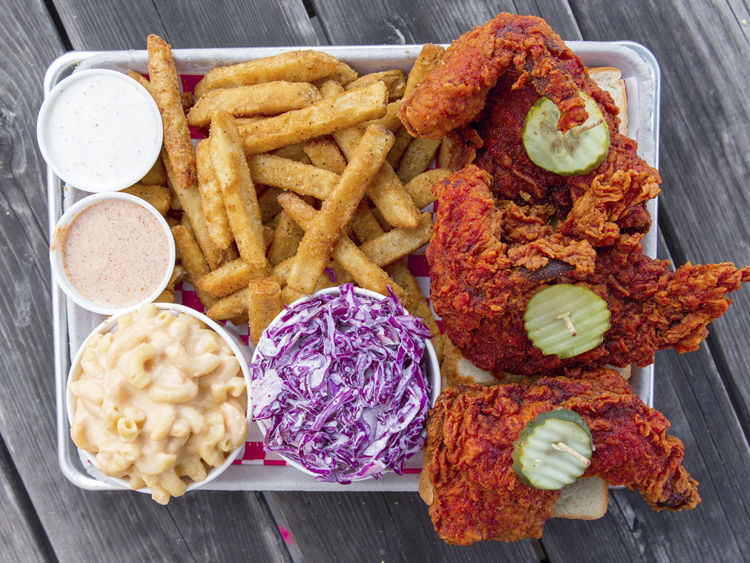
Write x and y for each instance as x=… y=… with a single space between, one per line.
x=339 y=386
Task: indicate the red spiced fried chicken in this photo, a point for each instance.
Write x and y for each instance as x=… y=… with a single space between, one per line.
x=506 y=228
x=476 y=495
x=488 y=257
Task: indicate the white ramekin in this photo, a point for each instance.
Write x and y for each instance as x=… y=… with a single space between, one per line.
x=56 y=261
x=147 y=134
x=238 y=349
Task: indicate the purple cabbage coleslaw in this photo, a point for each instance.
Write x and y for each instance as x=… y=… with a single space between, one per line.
x=338 y=385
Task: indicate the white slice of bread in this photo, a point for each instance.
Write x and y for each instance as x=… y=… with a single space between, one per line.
x=585 y=499
x=610 y=80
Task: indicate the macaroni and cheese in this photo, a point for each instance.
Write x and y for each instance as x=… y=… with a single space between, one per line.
x=159 y=401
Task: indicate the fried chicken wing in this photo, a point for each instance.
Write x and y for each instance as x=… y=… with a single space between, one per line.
x=470 y=434
x=507 y=228
x=488 y=257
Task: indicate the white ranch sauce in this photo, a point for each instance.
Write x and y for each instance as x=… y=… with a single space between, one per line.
x=100 y=129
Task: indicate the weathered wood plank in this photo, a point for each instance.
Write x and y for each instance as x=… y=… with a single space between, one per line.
x=391 y=21
x=702 y=48
x=690 y=393
x=378 y=527
x=21 y=536
x=112 y=24
x=81 y=525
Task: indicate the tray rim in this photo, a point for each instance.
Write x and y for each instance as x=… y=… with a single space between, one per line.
x=285 y=478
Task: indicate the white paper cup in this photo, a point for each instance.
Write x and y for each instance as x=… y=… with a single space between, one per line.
x=56 y=259
x=99 y=130
x=430 y=364
x=239 y=350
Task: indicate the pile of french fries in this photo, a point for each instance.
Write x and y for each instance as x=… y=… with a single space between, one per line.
x=306 y=180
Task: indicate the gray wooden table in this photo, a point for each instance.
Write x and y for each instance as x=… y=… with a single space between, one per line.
x=703 y=51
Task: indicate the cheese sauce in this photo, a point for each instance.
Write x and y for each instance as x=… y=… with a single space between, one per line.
x=115 y=253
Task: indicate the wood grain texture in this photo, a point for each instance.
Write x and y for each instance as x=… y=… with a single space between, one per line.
x=390 y=21
x=112 y=24
x=21 y=536
x=703 y=49
x=80 y=525
x=391 y=527
x=690 y=393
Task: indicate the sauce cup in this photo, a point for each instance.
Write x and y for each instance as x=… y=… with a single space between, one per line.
x=60 y=274
x=99 y=130
x=239 y=350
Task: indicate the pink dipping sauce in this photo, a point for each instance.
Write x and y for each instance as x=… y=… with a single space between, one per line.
x=115 y=253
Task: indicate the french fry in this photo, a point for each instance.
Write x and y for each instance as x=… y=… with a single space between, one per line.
x=416 y=303
x=366 y=273
x=158 y=196
x=390 y=120
x=417 y=158
x=428 y=58
x=397 y=243
x=289 y=295
x=286 y=239
x=230 y=306
x=403 y=140
x=178 y=155
x=338 y=208
x=189 y=201
x=233 y=175
x=293 y=66
x=268 y=234
x=228 y=278
x=166 y=296
x=212 y=204
x=386 y=190
x=292 y=152
x=192 y=259
x=393 y=80
x=330 y=88
x=165 y=87
x=269 y=206
x=324 y=153
x=364 y=224
x=303 y=179
x=268 y=98
x=420 y=187
x=187 y=99
x=445 y=154
x=156 y=176
x=321 y=118
x=263 y=304
x=140 y=79
x=344 y=73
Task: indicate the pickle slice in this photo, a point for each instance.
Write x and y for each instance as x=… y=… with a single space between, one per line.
x=566 y=320
x=577 y=151
x=553 y=450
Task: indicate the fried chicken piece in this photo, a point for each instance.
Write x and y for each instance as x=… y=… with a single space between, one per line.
x=454 y=93
x=488 y=258
x=470 y=434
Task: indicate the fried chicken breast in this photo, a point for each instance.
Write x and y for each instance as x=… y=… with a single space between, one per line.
x=506 y=228
x=470 y=434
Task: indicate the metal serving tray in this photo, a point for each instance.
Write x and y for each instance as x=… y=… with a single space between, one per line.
x=72 y=324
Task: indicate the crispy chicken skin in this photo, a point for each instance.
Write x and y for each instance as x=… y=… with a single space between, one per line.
x=506 y=228
x=488 y=257
x=454 y=92
x=470 y=434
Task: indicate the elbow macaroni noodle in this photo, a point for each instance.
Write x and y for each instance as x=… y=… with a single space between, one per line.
x=159 y=401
